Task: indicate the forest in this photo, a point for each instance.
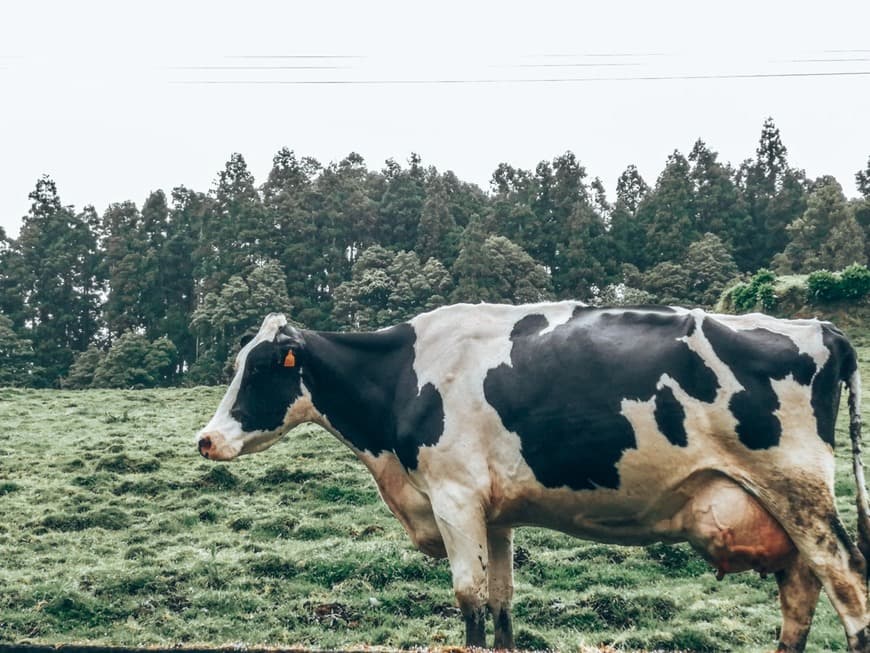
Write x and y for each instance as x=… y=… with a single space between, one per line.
x=159 y=294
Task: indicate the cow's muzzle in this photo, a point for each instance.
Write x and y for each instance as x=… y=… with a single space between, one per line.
x=214 y=446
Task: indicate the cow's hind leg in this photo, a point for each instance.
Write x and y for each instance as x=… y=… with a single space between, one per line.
x=501 y=585
x=798 y=595
x=805 y=509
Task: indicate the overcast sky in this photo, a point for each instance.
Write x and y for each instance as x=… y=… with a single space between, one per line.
x=115 y=99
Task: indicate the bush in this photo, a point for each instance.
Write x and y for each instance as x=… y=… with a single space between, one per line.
x=855 y=281
x=824 y=286
x=852 y=283
x=758 y=293
x=135 y=362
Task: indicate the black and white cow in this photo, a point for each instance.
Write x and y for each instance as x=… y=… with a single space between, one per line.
x=628 y=426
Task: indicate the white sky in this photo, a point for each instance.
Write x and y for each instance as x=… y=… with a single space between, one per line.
x=95 y=94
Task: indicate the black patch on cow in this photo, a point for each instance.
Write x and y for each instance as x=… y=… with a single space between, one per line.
x=267 y=389
x=670 y=417
x=365 y=385
x=562 y=392
x=755 y=356
x=840 y=366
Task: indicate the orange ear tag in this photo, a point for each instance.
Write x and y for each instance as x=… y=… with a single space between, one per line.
x=290 y=359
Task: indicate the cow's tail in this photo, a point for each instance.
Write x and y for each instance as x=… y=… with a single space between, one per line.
x=854 y=383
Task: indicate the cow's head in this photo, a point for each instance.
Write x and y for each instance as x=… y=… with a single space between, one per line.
x=266 y=397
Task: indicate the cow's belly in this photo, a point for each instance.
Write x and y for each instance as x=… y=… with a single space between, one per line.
x=726 y=525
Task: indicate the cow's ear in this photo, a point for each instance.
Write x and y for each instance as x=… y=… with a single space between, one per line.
x=289 y=343
x=246 y=338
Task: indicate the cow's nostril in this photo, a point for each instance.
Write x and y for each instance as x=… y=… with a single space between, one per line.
x=204 y=446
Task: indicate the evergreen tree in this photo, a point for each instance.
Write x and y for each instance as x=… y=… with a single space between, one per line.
x=81 y=373
x=59 y=280
x=390 y=287
x=627 y=233
x=154 y=227
x=717 y=203
x=223 y=317
x=826 y=236
x=437 y=234
x=291 y=202
x=135 y=362
x=862 y=181
x=774 y=196
x=12 y=282
x=178 y=260
x=127 y=268
x=586 y=261
x=237 y=231
x=668 y=213
x=345 y=215
x=16 y=356
x=401 y=204
x=494 y=269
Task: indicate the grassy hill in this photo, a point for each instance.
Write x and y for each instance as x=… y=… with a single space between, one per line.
x=113 y=531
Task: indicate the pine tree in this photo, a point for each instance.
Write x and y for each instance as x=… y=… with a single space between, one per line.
x=60 y=281
x=17 y=367
x=81 y=373
x=224 y=316
x=401 y=204
x=774 y=196
x=494 y=269
x=627 y=233
x=717 y=203
x=437 y=234
x=826 y=236
x=669 y=212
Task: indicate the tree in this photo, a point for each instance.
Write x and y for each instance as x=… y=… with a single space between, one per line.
x=401 y=204
x=12 y=282
x=237 y=232
x=718 y=207
x=81 y=373
x=668 y=212
x=698 y=279
x=16 y=356
x=825 y=236
x=710 y=267
x=223 y=317
x=179 y=259
x=437 y=233
x=627 y=233
x=390 y=287
x=774 y=195
x=59 y=280
x=135 y=362
x=862 y=180
x=494 y=269
x=126 y=267
x=586 y=261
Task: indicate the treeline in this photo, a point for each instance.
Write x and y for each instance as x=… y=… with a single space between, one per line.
x=160 y=294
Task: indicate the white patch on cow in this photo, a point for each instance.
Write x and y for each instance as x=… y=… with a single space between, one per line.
x=472 y=339
x=558 y=314
x=805 y=334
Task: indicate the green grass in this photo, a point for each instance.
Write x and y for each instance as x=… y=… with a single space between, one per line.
x=113 y=531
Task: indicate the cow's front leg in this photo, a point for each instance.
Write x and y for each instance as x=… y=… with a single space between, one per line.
x=798 y=595
x=464 y=533
x=501 y=584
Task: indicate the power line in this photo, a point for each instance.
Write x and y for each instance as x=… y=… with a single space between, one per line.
x=313 y=67
x=490 y=81
x=295 y=56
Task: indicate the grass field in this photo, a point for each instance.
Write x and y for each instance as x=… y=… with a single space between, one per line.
x=113 y=531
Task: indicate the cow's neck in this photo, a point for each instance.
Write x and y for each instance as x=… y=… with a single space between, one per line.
x=353 y=380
